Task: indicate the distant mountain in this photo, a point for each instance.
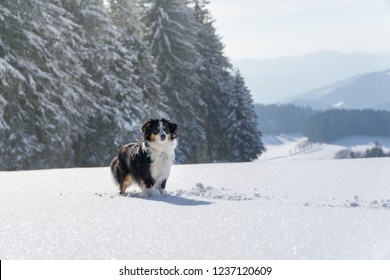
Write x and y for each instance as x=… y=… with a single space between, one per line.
x=370 y=90
x=275 y=80
x=385 y=106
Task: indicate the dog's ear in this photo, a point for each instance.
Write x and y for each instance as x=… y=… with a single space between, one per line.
x=147 y=125
x=173 y=129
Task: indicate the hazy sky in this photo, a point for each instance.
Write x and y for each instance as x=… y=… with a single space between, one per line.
x=272 y=28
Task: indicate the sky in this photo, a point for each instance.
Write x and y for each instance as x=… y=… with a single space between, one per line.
x=263 y=29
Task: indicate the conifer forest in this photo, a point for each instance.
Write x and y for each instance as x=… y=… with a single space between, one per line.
x=79 y=77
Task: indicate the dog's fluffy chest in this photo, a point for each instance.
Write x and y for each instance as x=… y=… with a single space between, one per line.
x=161 y=167
x=162 y=157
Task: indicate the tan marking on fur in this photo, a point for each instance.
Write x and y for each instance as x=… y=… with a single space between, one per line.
x=153 y=137
x=126 y=183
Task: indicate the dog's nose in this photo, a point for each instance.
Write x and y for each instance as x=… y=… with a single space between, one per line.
x=163 y=136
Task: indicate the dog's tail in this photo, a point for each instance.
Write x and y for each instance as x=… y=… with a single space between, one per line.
x=115 y=170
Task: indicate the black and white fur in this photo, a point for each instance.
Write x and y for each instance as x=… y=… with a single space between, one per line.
x=148 y=163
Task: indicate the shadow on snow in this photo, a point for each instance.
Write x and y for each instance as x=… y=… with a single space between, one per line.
x=171 y=199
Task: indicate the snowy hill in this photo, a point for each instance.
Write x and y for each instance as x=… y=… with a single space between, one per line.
x=275 y=80
x=269 y=209
x=359 y=92
x=296 y=147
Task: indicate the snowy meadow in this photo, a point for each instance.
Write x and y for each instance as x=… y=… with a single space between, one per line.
x=270 y=209
x=78 y=79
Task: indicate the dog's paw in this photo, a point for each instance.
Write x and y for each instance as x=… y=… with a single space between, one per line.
x=147 y=192
x=163 y=193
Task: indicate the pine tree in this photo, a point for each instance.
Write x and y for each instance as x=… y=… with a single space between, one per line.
x=336 y=123
x=117 y=101
x=171 y=34
x=126 y=16
x=42 y=99
x=244 y=139
x=78 y=77
x=215 y=76
x=282 y=118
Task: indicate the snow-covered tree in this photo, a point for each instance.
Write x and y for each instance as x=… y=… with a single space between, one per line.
x=171 y=34
x=42 y=97
x=117 y=100
x=244 y=139
x=78 y=77
x=126 y=16
x=215 y=76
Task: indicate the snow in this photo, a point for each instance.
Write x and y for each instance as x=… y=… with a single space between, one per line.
x=297 y=147
x=339 y=104
x=324 y=92
x=269 y=209
x=6 y=67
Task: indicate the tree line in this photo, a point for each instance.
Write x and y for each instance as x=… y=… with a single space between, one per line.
x=322 y=126
x=373 y=152
x=330 y=125
x=282 y=118
x=79 y=77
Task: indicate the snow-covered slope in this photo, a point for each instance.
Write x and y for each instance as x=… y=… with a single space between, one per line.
x=296 y=147
x=274 y=209
x=370 y=90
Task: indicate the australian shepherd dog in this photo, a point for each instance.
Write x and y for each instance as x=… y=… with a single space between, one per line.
x=149 y=162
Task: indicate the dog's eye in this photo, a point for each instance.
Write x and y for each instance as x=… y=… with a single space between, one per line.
x=156 y=130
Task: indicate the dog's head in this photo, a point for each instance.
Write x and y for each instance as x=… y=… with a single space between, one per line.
x=159 y=130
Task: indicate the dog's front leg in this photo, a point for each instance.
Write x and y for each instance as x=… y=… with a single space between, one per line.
x=162 y=186
x=147 y=187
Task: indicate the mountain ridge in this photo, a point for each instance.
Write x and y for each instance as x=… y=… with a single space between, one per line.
x=371 y=90
x=275 y=80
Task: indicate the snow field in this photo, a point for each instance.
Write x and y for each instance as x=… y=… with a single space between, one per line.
x=297 y=147
x=264 y=210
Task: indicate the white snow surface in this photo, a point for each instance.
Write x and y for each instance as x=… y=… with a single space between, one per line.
x=269 y=209
x=296 y=147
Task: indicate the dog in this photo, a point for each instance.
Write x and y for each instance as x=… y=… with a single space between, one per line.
x=149 y=162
